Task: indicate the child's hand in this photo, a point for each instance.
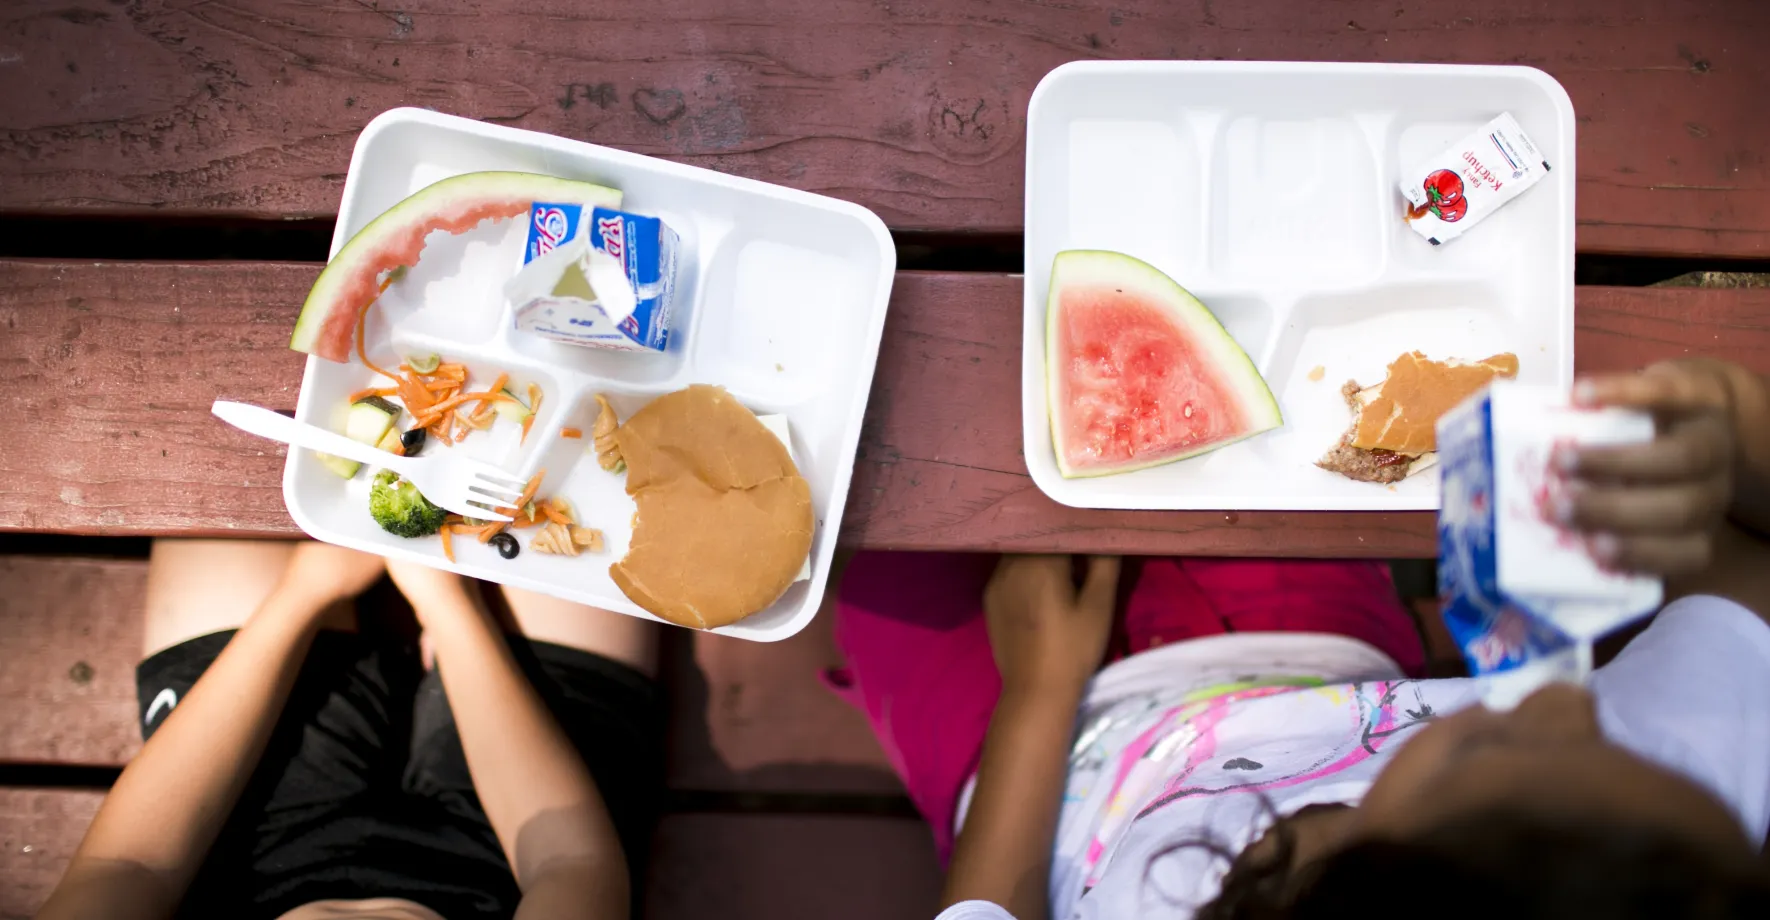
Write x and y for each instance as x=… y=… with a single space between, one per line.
x=1655 y=507
x=1046 y=635
x=325 y=573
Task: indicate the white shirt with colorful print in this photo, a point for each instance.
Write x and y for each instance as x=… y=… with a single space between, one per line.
x=1192 y=750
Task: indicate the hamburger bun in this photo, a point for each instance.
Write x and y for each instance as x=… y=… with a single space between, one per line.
x=724 y=519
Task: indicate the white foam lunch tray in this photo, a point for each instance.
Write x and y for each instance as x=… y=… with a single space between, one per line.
x=781 y=300
x=1269 y=190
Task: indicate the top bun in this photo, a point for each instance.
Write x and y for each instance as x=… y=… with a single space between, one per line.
x=724 y=519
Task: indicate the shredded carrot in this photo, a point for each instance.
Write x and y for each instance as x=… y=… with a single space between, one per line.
x=362 y=319
x=417 y=399
x=497 y=387
x=457 y=371
x=552 y=514
x=527 y=423
x=448 y=548
x=535 y=395
x=528 y=491
x=489 y=531
x=460 y=398
x=570 y=432
x=523 y=522
x=442 y=385
x=372 y=391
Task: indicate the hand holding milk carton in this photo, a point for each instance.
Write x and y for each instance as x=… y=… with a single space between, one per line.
x=1523 y=597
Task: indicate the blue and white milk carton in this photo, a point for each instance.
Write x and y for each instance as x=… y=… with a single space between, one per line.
x=1522 y=597
x=601 y=278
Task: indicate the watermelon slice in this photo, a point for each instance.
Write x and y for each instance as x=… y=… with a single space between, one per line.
x=352 y=280
x=1139 y=372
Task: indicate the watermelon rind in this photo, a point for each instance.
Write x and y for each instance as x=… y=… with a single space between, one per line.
x=1085 y=266
x=350 y=280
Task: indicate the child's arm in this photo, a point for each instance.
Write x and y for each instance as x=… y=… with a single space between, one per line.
x=1656 y=507
x=1048 y=639
x=536 y=791
x=165 y=810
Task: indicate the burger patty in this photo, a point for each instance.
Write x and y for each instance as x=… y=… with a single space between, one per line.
x=1357 y=462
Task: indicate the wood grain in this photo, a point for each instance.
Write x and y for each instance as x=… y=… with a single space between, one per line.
x=914 y=108
x=70 y=636
x=108 y=371
x=114 y=367
x=753 y=717
x=792 y=867
x=39 y=831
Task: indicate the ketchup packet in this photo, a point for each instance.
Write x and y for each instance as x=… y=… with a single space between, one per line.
x=1460 y=187
x=1523 y=598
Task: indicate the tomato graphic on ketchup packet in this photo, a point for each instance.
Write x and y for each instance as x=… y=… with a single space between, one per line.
x=1459 y=187
x=1443 y=187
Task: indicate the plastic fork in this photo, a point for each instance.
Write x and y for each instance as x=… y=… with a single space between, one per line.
x=467 y=487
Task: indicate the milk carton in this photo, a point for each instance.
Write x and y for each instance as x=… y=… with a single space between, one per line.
x=1522 y=597
x=601 y=278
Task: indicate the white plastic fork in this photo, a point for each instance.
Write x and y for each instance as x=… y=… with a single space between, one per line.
x=454 y=483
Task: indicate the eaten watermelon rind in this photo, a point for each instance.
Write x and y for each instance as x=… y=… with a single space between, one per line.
x=1084 y=266
x=394 y=239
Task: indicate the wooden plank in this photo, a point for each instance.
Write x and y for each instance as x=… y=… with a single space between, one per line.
x=39 y=831
x=914 y=108
x=109 y=370
x=113 y=368
x=792 y=867
x=745 y=716
x=70 y=637
x=753 y=717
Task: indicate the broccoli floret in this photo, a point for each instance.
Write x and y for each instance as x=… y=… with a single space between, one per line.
x=401 y=509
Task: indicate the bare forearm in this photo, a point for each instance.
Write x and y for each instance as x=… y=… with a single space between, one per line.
x=537 y=793
x=1004 y=852
x=167 y=807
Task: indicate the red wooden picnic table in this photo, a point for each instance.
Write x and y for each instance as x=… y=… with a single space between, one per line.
x=246 y=112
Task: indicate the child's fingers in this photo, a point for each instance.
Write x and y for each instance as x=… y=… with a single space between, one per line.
x=1685 y=554
x=1671 y=387
x=1695 y=449
x=1684 y=507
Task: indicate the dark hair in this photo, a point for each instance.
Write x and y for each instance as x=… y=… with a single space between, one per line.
x=1505 y=864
